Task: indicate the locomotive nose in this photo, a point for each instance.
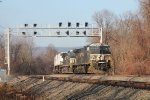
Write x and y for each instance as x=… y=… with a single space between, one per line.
x=102 y=65
x=102 y=57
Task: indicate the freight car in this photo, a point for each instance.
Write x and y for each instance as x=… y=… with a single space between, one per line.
x=94 y=56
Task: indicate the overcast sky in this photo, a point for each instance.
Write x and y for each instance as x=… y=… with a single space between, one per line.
x=16 y=12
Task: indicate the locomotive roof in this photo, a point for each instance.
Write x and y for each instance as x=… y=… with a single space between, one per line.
x=80 y=49
x=97 y=44
x=62 y=53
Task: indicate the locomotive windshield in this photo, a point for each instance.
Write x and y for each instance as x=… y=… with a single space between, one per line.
x=104 y=50
x=100 y=49
x=71 y=54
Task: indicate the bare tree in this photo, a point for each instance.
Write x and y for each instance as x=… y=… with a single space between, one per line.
x=48 y=56
x=129 y=39
x=145 y=10
x=23 y=61
x=21 y=55
x=2 y=50
x=44 y=62
x=105 y=19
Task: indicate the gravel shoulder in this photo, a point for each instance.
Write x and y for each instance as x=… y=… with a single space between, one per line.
x=60 y=90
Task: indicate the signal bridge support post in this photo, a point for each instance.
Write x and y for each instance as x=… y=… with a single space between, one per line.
x=101 y=35
x=7 y=50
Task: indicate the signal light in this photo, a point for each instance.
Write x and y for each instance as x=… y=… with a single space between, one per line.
x=23 y=33
x=34 y=25
x=25 y=25
x=67 y=32
x=60 y=24
x=84 y=32
x=69 y=24
x=35 y=33
x=77 y=32
x=77 y=24
x=86 y=24
x=58 y=32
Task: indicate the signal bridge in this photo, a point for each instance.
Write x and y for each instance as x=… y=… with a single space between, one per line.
x=60 y=30
x=72 y=30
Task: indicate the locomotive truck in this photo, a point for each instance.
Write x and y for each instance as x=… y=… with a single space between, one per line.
x=95 y=56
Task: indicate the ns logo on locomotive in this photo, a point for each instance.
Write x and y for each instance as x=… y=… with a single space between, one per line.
x=94 y=56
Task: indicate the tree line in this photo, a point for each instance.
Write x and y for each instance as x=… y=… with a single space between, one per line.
x=23 y=58
x=129 y=38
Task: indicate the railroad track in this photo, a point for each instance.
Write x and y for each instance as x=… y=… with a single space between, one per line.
x=130 y=81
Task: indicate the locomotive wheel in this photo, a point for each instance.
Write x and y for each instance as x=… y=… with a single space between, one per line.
x=60 y=70
x=86 y=68
x=74 y=69
x=111 y=71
